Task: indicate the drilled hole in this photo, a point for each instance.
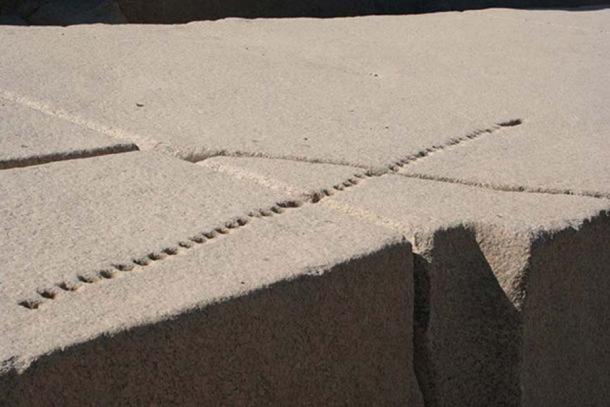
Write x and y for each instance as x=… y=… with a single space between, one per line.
x=186 y=244
x=123 y=266
x=198 y=238
x=276 y=209
x=170 y=250
x=89 y=279
x=142 y=261
x=211 y=234
x=157 y=256
x=47 y=294
x=108 y=273
x=30 y=304
x=231 y=225
x=510 y=123
x=68 y=286
x=291 y=204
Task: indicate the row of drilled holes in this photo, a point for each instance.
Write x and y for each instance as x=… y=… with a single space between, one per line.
x=242 y=221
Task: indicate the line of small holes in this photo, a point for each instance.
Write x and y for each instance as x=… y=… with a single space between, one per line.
x=277 y=209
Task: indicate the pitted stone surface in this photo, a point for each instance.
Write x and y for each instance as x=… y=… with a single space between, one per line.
x=79 y=217
x=242 y=287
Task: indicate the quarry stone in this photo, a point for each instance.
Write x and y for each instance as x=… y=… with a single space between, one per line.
x=496 y=282
x=82 y=308
x=29 y=137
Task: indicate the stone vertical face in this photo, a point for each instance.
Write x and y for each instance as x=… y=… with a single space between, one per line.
x=510 y=288
x=566 y=327
x=139 y=278
x=344 y=337
x=467 y=330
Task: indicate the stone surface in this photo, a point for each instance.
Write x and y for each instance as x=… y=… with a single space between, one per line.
x=384 y=96
x=239 y=318
x=28 y=137
x=141 y=202
x=503 y=277
x=372 y=108
x=299 y=179
x=309 y=138
x=501 y=310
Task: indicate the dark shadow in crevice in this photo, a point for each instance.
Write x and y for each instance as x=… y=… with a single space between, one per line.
x=466 y=330
x=69 y=12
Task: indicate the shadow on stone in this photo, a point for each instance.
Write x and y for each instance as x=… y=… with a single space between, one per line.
x=69 y=12
x=467 y=332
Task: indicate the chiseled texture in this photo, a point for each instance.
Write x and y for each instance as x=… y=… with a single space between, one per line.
x=241 y=317
x=29 y=137
x=492 y=274
x=67 y=220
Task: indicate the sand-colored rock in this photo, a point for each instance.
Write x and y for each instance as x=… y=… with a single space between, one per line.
x=281 y=254
x=362 y=91
x=510 y=287
x=318 y=90
x=235 y=317
x=29 y=137
x=511 y=290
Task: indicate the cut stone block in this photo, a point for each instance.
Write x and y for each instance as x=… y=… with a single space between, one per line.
x=511 y=290
x=510 y=286
x=345 y=97
x=229 y=317
x=361 y=91
x=141 y=203
x=29 y=137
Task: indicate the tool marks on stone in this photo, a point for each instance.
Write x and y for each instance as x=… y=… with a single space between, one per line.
x=454 y=142
x=505 y=187
x=140 y=262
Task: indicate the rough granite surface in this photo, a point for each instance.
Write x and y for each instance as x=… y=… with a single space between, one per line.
x=494 y=277
x=239 y=295
x=28 y=137
x=394 y=210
